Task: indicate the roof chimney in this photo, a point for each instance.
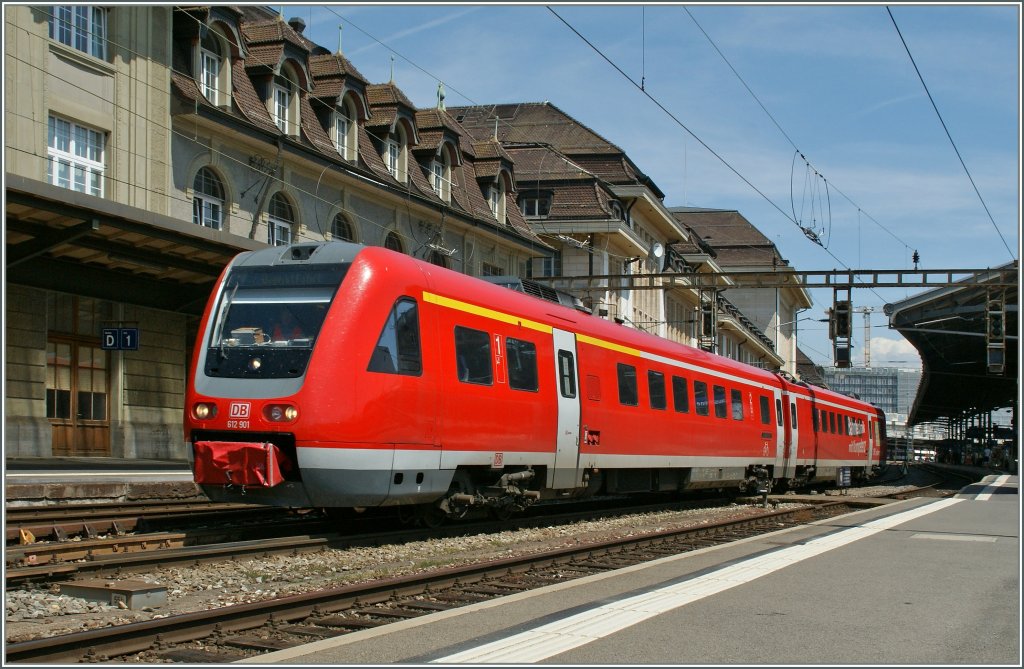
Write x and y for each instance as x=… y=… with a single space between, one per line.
x=297 y=24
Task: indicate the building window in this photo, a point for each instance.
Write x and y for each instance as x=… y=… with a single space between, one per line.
x=81 y=27
x=345 y=132
x=437 y=258
x=75 y=157
x=496 y=200
x=282 y=105
x=393 y=242
x=280 y=221
x=534 y=205
x=487 y=269
x=210 y=72
x=208 y=199
x=341 y=229
x=393 y=154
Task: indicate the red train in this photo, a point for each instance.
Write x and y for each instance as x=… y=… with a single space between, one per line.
x=340 y=376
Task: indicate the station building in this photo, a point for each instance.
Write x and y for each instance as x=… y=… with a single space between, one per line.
x=146 y=145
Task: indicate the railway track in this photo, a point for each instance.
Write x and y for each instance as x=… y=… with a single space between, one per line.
x=231 y=633
x=27 y=524
x=140 y=552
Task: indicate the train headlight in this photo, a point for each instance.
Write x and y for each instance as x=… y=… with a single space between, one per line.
x=280 y=413
x=204 y=411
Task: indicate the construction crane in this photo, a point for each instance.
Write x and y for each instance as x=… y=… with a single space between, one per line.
x=867 y=311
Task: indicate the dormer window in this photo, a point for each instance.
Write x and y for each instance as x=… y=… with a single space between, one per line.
x=535 y=205
x=283 y=102
x=616 y=209
x=344 y=131
x=396 y=154
x=393 y=153
x=441 y=175
x=212 y=75
x=496 y=200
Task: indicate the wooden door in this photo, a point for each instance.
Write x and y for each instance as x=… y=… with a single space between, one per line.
x=78 y=397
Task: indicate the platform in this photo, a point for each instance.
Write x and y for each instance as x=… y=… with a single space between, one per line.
x=920 y=581
x=58 y=480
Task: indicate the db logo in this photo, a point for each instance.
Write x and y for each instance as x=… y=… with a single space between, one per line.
x=239 y=409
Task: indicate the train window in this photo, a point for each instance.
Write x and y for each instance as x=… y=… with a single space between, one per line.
x=522 y=364
x=473 y=356
x=627 y=384
x=680 y=395
x=778 y=412
x=566 y=374
x=720 y=409
x=831 y=422
x=824 y=421
x=700 y=397
x=766 y=410
x=398 y=347
x=737 y=404
x=792 y=414
x=814 y=420
x=844 y=426
x=656 y=389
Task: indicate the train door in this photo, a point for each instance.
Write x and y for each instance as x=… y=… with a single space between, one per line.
x=566 y=472
x=781 y=437
x=785 y=459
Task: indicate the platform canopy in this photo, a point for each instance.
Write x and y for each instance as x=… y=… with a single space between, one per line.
x=953 y=332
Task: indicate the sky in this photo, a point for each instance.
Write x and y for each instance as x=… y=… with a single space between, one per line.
x=794 y=115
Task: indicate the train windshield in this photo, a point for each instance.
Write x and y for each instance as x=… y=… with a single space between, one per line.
x=268 y=320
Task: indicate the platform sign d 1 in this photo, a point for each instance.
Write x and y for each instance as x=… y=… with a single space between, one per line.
x=119 y=339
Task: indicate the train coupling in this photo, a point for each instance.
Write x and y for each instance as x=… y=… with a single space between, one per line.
x=759 y=482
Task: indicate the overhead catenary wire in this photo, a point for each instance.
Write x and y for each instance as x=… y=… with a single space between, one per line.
x=781 y=130
x=948 y=135
x=699 y=140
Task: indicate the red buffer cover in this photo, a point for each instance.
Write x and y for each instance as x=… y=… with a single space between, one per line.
x=257 y=464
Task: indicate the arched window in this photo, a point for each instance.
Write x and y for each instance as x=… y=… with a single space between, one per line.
x=341 y=229
x=496 y=199
x=344 y=130
x=396 y=154
x=283 y=102
x=212 y=72
x=441 y=175
x=393 y=242
x=208 y=199
x=280 y=221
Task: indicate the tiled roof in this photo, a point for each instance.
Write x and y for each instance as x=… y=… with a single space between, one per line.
x=387 y=94
x=532 y=122
x=248 y=101
x=330 y=70
x=735 y=240
x=313 y=131
x=584 y=200
x=545 y=164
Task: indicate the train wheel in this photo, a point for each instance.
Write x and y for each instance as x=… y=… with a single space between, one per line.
x=429 y=516
x=502 y=513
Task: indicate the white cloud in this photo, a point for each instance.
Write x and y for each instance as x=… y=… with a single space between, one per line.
x=886 y=352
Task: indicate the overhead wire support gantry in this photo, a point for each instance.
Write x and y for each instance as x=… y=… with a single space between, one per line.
x=1005 y=276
